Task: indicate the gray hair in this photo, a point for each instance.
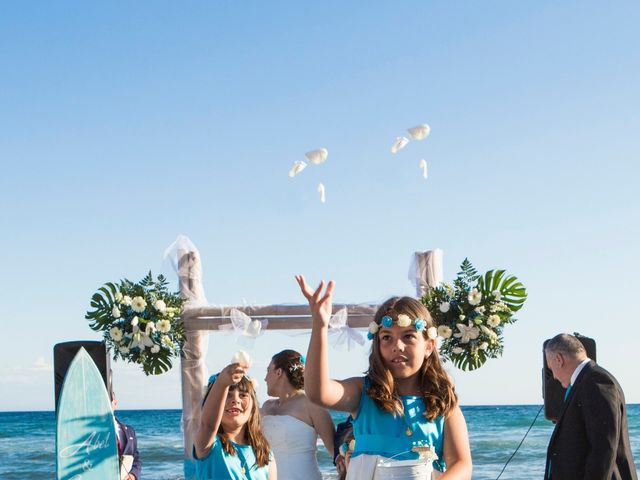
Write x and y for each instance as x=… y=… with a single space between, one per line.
x=567 y=344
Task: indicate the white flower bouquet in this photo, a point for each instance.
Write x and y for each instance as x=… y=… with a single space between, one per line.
x=471 y=314
x=140 y=322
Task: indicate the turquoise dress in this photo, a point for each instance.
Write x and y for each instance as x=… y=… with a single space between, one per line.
x=381 y=433
x=219 y=465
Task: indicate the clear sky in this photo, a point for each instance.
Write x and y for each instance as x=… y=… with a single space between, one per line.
x=124 y=124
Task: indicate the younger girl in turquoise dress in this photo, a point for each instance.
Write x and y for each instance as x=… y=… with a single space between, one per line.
x=229 y=443
x=406 y=398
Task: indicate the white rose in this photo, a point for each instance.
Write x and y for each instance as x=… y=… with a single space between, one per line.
x=155 y=349
x=403 y=320
x=432 y=333
x=474 y=297
x=163 y=326
x=493 y=321
x=138 y=304
x=134 y=321
x=241 y=357
x=126 y=300
x=444 y=307
x=444 y=331
x=115 y=333
x=457 y=350
x=373 y=327
x=479 y=309
x=115 y=312
x=160 y=306
x=483 y=346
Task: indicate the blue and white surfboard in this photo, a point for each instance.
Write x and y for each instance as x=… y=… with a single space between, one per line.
x=86 y=445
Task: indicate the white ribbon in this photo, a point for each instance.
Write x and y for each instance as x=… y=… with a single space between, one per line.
x=245 y=328
x=341 y=335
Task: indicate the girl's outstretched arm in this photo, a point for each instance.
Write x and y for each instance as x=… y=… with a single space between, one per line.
x=318 y=386
x=457 y=453
x=213 y=407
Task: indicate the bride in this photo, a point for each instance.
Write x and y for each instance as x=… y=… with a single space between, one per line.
x=291 y=422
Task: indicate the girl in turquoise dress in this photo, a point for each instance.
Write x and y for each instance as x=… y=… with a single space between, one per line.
x=406 y=398
x=229 y=443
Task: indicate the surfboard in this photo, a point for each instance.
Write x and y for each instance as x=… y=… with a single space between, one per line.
x=86 y=445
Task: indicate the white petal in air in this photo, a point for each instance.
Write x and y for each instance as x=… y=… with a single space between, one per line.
x=298 y=166
x=399 y=144
x=321 y=192
x=420 y=132
x=317 y=156
x=423 y=166
x=241 y=357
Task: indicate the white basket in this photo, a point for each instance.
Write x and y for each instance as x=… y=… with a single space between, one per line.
x=403 y=470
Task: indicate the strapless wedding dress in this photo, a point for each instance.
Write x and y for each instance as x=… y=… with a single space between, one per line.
x=293 y=443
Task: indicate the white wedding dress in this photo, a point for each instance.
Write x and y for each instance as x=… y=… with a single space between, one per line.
x=293 y=443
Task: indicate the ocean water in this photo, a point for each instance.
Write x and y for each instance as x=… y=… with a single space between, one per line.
x=27 y=442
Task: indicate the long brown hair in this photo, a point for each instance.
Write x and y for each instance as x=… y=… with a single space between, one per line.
x=436 y=387
x=254 y=435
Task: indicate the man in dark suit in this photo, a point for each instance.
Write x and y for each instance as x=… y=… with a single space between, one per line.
x=130 y=464
x=591 y=438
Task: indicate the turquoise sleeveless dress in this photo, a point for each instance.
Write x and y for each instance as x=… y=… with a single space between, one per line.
x=381 y=433
x=219 y=465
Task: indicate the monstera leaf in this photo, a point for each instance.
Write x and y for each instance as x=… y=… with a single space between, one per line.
x=512 y=291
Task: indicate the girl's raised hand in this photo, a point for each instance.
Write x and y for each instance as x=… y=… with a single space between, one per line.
x=231 y=374
x=319 y=303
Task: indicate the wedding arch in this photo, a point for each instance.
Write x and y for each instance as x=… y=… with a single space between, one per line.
x=200 y=318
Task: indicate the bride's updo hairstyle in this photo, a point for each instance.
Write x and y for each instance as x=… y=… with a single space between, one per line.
x=292 y=364
x=436 y=387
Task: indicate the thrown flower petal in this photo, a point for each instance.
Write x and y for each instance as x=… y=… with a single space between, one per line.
x=399 y=144
x=317 y=156
x=423 y=166
x=321 y=192
x=420 y=132
x=297 y=167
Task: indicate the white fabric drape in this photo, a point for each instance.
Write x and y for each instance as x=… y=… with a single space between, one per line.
x=426 y=270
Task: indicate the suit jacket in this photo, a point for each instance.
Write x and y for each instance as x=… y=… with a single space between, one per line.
x=130 y=447
x=591 y=438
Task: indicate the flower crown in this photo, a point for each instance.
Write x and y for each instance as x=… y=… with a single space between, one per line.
x=402 y=321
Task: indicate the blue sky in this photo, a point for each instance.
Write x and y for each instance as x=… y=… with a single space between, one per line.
x=123 y=125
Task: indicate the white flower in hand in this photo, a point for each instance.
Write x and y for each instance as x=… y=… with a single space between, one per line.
x=138 y=304
x=115 y=312
x=115 y=333
x=474 y=297
x=242 y=358
x=444 y=307
x=444 y=331
x=467 y=332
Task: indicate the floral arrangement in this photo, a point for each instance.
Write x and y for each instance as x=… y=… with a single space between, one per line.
x=471 y=314
x=140 y=322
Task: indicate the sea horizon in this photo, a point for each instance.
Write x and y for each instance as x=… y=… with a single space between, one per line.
x=27 y=442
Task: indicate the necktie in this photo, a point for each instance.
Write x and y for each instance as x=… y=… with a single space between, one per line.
x=566 y=394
